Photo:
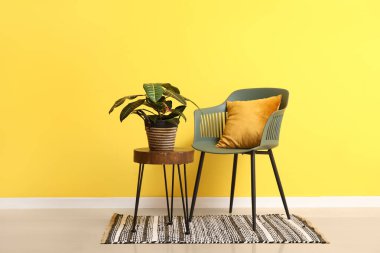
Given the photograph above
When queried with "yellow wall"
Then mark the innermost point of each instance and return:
(63, 63)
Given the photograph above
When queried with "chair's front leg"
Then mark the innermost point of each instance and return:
(253, 190)
(234, 168)
(279, 183)
(197, 180)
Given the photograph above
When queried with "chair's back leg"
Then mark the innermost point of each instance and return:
(234, 168)
(279, 182)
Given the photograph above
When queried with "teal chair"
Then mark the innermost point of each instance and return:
(208, 128)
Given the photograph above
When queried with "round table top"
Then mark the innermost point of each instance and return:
(177, 156)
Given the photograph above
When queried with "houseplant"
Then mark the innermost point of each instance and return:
(156, 108)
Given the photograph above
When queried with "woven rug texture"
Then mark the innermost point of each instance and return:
(210, 229)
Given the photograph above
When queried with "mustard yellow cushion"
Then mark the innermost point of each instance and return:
(246, 121)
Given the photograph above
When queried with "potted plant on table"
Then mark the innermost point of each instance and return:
(155, 107)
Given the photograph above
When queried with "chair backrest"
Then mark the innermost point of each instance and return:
(212, 120)
(257, 93)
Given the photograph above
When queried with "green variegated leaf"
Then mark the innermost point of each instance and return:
(163, 104)
(173, 121)
(147, 111)
(122, 100)
(147, 118)
(162, 107)
(162, 99)
(153, 119)
(176, 96)
(187, 99)
(180, 108)
(157, 106)
(168, 86)
(141, 114)
(130, 108)
(169, 104)
(154, 91)
(178, 111)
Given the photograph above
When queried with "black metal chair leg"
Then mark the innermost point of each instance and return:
(139, 183)
(279, 182)
(185, 215)
(167, 196)
(197, 180)
(234, 168)
(253, 190)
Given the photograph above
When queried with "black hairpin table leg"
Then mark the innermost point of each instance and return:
(139, 183)
(185, 204)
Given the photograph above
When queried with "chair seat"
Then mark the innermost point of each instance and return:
(209, 146)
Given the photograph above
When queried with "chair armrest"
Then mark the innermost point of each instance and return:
(209, 122)
(271, 133)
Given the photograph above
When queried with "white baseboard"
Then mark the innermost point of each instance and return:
(202, 202)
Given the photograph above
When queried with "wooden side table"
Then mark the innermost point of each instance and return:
(177, 157)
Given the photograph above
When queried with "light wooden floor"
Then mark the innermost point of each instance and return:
(80, 230)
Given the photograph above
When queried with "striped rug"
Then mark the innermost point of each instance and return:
(270, 228)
